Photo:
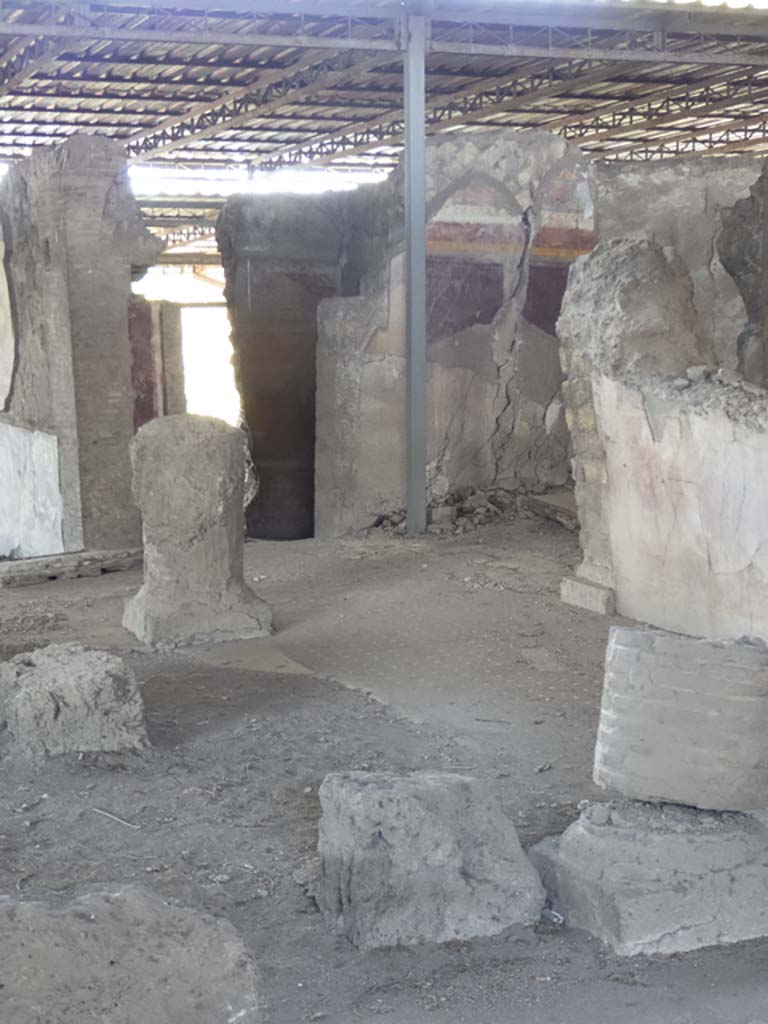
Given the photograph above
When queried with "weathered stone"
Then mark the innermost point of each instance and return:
(660, 879)
(31, 508)
(740, 247)
(591, 596)
(427, 857)
(557, 506)
(27, 572)
(7, 333)
(684, 720)
(681, 203)
(628, 311)
(629, 306)
(731, 378)
(67, 699)
(74, 239)
(442, 515)
(686, 487)
(123, 956)
(188, 478)
(695, 374)
(495, 416)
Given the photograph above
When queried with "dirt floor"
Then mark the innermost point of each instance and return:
(389, 653)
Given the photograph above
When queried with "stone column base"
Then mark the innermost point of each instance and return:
(237, 614)
(659, 879)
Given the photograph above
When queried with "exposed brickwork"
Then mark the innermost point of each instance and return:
(73, 233)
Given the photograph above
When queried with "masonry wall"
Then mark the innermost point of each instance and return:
(157, 365)
(669, 449)
(508, 214)
(682, 203)
(498, 202)
(166, 317)
(282, 255)
(685, 503)
(42, 395)
(73, 235)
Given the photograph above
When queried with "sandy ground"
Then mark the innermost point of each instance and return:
(389, 653)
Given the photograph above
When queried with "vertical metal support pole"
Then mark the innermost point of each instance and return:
(416, 275)
(762, 363)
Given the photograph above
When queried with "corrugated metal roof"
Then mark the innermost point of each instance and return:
(237, 87)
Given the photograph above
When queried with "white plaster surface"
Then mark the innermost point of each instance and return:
(31, 506)
(7, 341)
(686, 502)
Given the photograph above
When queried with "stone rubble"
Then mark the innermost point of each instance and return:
(65, 699)
(427, 857)
(460, 511)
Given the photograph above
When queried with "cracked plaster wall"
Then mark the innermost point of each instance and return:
(495, 417)
(629, 307)
(686, 498)
(669, 465)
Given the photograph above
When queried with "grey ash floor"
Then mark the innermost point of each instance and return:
(389, 654)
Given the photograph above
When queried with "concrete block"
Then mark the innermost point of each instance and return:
(591, 596)
(126, 957)
(66, 699)
(652, 879)
(427, 857)
(684, 720)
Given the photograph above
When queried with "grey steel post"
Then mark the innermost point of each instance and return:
(416, 275)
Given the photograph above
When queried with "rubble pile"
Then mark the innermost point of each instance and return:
(461, 511)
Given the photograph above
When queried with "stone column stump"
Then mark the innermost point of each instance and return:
(188, 476)
(684, 720)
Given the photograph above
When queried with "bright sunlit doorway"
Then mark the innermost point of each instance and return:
(209, 378)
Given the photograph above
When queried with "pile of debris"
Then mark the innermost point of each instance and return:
(466, 508)
(462, 510)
